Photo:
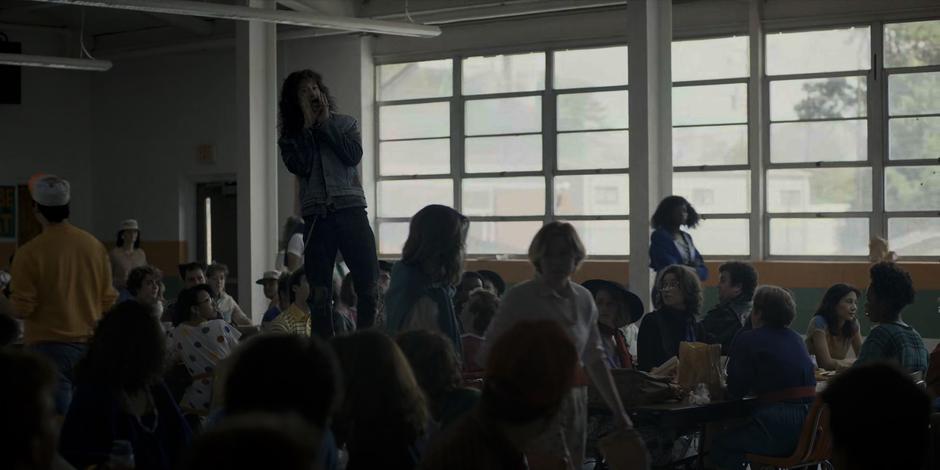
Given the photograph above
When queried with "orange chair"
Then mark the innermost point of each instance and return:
(814, 447)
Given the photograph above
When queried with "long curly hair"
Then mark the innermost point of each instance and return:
(662, 218)
(434, 363)
(126, 353)
(290, 114)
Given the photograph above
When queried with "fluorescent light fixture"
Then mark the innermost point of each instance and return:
(244, 13)
(24, 60)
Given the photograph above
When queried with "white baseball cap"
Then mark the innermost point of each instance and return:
(49, 190)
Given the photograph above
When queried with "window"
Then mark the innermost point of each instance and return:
(710, 142)
(819, 179)
(911, 180)
(492, 166)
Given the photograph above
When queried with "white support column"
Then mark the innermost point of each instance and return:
(256, 98)
(757, 114)
(650, 41)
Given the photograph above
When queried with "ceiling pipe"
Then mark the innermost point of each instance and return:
(244, 13)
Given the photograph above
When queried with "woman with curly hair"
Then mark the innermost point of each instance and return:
(421, 293)
(677, 297)
(834, 328)
(322, 148)
(669, 244)
(384, 413)
(891, 289)
(119, 395)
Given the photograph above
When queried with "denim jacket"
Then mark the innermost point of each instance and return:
(337, 144)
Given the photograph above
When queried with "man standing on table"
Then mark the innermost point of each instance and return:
(323, 148)
(61, 284)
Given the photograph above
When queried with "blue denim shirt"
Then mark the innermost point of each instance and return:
(325, 159)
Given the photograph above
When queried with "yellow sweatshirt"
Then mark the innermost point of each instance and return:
(61, 285)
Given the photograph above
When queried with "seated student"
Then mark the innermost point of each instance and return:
(891, 290)
(529, 374)
(865, 437)
(224, 303)
(382, 432)
(834, 328)
(677, 297)
(469, 282)
(434, 363)
(385, 280)
(493, 282)
(256, 441)
(283, 300)
(476, 316)
(119, 395)
(268, 282)
(143, 285)
(28, 427)
(264, 378)
(617, 308)
(344, 310)
(771, 363)
(736, 284)
(192, 274)
(200, 340)
(296, 319)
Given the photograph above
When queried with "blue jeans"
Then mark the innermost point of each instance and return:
(65, 356)
(346, 231)
(773, 430)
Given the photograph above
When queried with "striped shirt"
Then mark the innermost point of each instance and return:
(293, 321)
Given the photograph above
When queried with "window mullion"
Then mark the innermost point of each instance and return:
(457, 161)
(549, 138)
(877, 132)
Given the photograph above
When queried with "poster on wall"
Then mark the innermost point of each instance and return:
(7, 212)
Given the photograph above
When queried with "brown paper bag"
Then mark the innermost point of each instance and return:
(701, 363)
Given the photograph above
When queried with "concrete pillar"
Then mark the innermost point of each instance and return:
(649, 24)
(256, 98)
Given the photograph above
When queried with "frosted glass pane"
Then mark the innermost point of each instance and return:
(819, 98)
(604, 237)
(592, 195)
(501, 238)
(914, 236)
(414, 157)
(912, 188)
(577, 68)
(819, 141)
(715, 192)
(597, 110)
(720, 145)
(504, 73)
(709, 104)
(594, 150)
(404, 198)
(819, 190)
(392, 236)
(508, 196)
(504, 115)
(819, 237)
(914, 138)
(833, 50)
(496, 154)
(716, 237)
(912, 44)
(707, 59)
(427, 79)
(410, 121)
(914, 93)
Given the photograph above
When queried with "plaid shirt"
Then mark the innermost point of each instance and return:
(293, 321)
(897, 342)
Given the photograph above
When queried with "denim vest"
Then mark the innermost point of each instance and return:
(335, 147)
(408, 285)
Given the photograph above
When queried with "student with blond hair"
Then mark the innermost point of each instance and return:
(557, 252)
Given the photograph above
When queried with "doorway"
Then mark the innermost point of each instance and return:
(217, 228)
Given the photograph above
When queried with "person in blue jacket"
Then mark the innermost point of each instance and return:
(669, 244)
